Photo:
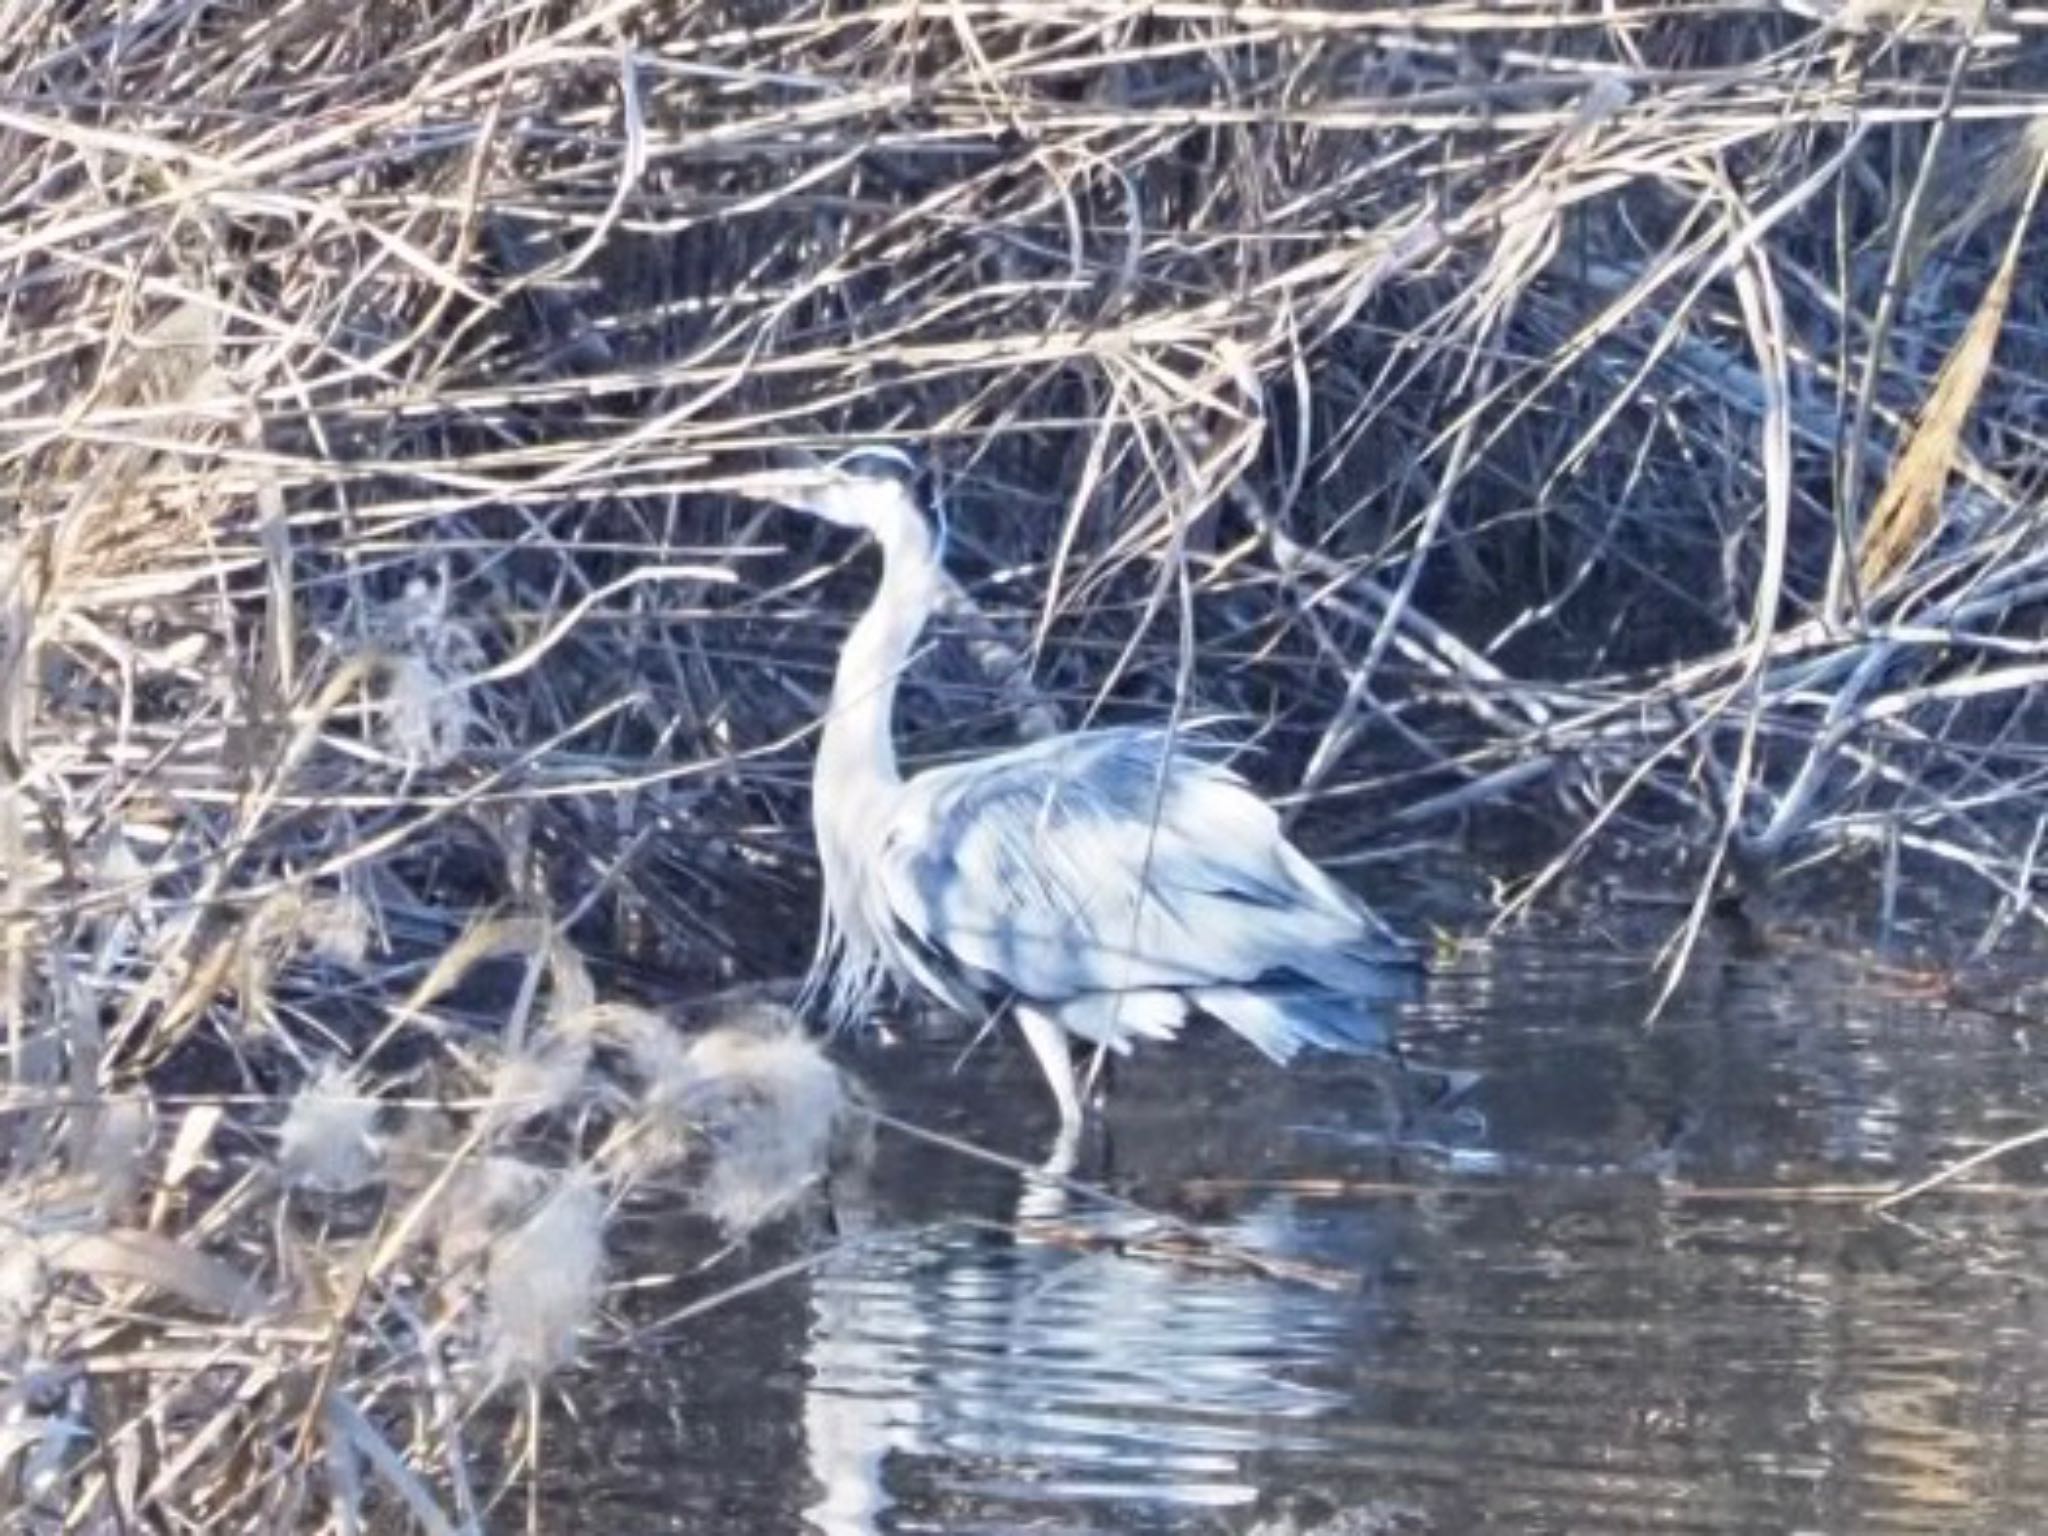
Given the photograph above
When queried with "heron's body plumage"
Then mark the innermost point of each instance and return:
(1115, 878)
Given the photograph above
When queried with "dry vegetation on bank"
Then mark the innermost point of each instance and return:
(1629, 417)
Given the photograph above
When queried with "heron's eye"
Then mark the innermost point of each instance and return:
(912, 472)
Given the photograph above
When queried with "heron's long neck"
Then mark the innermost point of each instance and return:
(857, 752)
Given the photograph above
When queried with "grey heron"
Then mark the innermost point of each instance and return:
(1104, 884)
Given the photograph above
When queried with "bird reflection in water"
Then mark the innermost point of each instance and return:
(1051, 1360)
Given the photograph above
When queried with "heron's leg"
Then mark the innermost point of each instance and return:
(1097, 1060)
(1048, 1043)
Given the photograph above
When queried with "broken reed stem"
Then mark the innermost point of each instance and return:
(1877, 1198)
(1947, 1176)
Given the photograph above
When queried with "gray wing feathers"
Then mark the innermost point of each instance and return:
(1104, 874)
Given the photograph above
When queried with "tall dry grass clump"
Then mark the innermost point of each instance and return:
(286, 1307)
(1627, 417)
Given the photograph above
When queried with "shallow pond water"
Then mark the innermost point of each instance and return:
(1638, 1297)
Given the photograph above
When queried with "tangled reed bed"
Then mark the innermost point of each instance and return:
(1627, 415)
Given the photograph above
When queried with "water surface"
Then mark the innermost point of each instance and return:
(1637, 1298)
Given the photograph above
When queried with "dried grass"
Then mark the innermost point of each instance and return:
(1490, 405)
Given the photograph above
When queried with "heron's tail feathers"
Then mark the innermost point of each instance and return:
(1280, 1019)
(1116, 1019)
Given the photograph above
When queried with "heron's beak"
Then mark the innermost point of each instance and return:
(840, 493)
(801, 490)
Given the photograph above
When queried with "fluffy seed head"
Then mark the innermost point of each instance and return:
(543, 1279)
(329, 1138)
(768, 1108)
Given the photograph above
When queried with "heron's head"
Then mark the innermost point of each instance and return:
(874, 490)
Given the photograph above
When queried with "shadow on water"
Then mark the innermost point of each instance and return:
(1636, 1300)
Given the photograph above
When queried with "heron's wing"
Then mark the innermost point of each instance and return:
(1108, 861)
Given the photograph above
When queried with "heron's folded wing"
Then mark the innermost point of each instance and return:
(1104, 861)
